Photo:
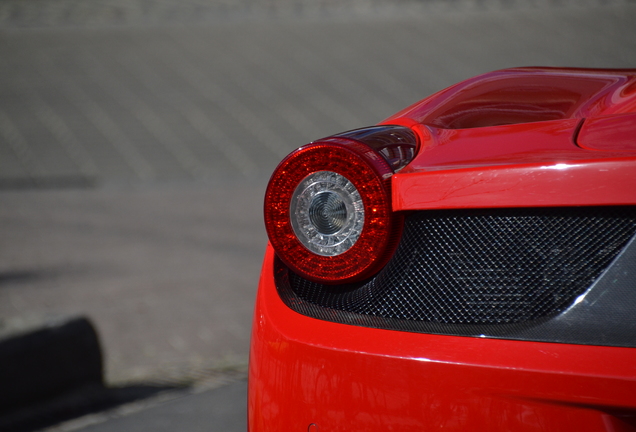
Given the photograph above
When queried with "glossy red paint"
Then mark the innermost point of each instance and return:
(525, 165)
(344, 378)
(474, 153)
(523, 95)
(609, 133)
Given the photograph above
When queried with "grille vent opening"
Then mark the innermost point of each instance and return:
(490, 266)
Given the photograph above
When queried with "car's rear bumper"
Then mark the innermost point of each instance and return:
(305, 371)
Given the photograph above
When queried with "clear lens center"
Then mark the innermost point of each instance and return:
(327, 213)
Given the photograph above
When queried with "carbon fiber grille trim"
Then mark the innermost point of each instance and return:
(476, 267)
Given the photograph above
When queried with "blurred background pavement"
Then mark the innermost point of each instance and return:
(137, 136)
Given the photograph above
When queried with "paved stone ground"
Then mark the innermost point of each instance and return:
(136, 139)
(200, 409)
(166, 273)
(56, 13)
(84, 105)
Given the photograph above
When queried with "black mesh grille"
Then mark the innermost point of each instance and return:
(485, 266)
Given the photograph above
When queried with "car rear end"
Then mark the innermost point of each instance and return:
(470, 264)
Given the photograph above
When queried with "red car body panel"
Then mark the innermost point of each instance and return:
(524, 95)
(309, 374)
(609, 133)
(518, 165)
(306, 371)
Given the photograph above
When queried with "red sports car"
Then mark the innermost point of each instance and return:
(467, 265)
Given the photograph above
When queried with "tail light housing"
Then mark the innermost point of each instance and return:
(328, 204)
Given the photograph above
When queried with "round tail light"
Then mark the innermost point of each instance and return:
(328, 211)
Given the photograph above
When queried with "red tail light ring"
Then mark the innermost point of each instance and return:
(328, 211)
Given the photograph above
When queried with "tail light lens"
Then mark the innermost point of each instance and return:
(328, 204)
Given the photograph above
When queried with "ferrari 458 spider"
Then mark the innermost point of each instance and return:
(469, 264)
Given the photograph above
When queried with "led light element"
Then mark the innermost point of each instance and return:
(327, 213)
(328, 206)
